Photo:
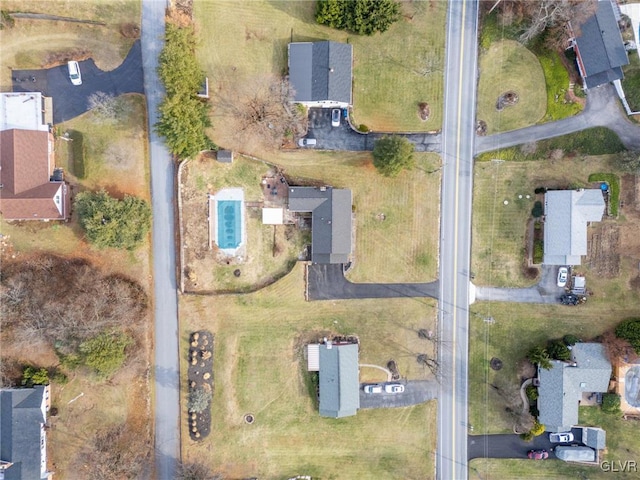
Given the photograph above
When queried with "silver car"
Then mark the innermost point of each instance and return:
(564, 437)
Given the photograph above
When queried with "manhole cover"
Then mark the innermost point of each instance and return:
(236, 272)
(249, 418)
(496, 363)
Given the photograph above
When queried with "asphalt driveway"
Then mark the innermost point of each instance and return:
(545, 291)
(512, 446)
(415, 393)
(69, 100)
(346, 138)
(327, 282)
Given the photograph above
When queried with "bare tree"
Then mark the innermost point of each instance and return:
(553, 16)
(195, 471)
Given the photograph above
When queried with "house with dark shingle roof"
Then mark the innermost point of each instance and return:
(561, 387)
(567, 213)
(321, 73)
(339, 380)
(331, 220)
(599, 48)
(23, 441)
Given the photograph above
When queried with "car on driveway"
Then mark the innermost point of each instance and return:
(394, 388)
(74, 72)
(307, 142)
(563, 274)
(565, 437)
(335, 117)
(373, 389)
(569, 299)
(538, 454)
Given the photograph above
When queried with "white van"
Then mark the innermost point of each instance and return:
(307, 142)
(74, 72)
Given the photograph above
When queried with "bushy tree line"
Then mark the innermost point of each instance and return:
(364, 17)
(629, 330)
(109, 222)
(392, 154)
(183, 115)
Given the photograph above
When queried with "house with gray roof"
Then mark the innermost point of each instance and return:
(599, 48)
(339, 380)
(562, 386)
(23, 441)
(321, 73)
(331, 220)
(567, 215)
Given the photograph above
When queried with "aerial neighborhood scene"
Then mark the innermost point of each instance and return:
(319, 239)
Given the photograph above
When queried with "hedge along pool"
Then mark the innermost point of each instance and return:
(229, 228)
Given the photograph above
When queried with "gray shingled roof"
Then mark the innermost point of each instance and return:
(20, 421)
(601, 47)
(575, 454)
(339, 380)
(330, 221)
(562, 386)
(321, 71)
(594, 437)
(567, 213)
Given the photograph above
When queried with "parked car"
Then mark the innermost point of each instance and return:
(394, 388)
(563, 274)
(538, 454)
(307, 142)
(373, 389)
(569, 299)
(335, 117)
(565, 437)
(74, 72)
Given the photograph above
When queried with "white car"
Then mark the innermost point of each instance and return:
(565, 437)
(563, 274)
(335, 117)
(373, 389)
(74, 72)
(307, 142)
(394, 388)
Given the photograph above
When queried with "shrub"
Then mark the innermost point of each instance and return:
(527, 437)
(539, 356)
(538, 251)
(570, 340)
(538, 209)
(392, 154)
(611, 404)
(105, 353)
(199, 399)
(614, 186)
(540, 190)
(364, 17)
(630, 331)
(558, 350)
(363, 128)
(538, 429)
(34, 376)
(532, 393)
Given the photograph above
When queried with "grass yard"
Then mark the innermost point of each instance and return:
(29, 42)
(404, 246)
(507, 66)
(393, 72)
(270, 249)
(499, 229)
(557, 83)
(259, 368)
(631, 82)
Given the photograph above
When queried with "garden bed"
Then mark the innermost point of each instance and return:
(200, 377)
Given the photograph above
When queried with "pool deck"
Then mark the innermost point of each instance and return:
(621, 374)
(226, 194)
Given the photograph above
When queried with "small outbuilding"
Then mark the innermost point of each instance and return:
(224, 156)
(576, 454)
(594, 437)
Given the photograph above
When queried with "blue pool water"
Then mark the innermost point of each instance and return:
(229, 224)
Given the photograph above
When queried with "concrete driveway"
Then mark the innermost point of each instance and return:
(415, 393)
(512, 446)
(545, 291)
(346, 138)
(69, 100)
(327, 282)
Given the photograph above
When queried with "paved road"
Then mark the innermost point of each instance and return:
(69, 100)
(415, 393)
(347, 138)
(603, 109)
(327, 282)
(512, 446)
(455, 231)
(545, 291)
(167, 368)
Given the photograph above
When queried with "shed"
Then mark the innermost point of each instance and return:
(272, 216)
(576, 454)
(225, 156)
(579, 285)
(594, 437)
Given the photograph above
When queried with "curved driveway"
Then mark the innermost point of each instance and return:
(603, 109)
(69, 100)
(167, 368)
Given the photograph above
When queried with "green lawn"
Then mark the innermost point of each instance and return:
(259, 367)
(631, 82)
(557, 84)
(393, 72)
(507, 66)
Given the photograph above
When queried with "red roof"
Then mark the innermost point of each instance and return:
(26, 166)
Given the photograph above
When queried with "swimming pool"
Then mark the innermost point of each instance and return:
(229, 217)
(632, 386)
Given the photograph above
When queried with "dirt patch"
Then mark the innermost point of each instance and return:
(424, 111)
(507, 99)
(53, 59)
(481, 128)
(130, 30)
(604, 248)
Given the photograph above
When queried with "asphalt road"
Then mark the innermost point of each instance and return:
(167, 368)
(455, 243)
(327, 282)
(69, 100)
